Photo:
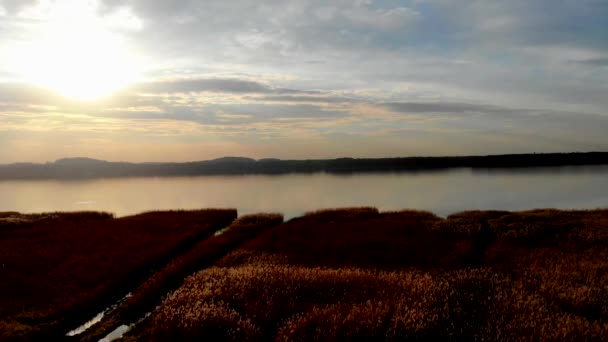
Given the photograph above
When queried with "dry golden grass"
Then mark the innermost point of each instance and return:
(170, 277)
(340, 274)
(265, 292)
(267, 299)
(203, 254)
(541, 275)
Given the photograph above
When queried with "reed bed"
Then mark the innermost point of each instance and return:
(58, 268)
(533, 275)
(267, 299)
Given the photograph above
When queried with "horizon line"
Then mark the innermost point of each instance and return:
(303, 159)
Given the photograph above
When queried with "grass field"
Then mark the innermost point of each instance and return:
(60, 268)
(206, 252)
(340, 274)
(328, 275)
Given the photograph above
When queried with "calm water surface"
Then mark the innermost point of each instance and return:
(443, 192)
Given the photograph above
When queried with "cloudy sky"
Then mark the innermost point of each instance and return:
(156, 80)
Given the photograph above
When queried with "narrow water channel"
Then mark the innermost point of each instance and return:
(124, 328)
(97, 318)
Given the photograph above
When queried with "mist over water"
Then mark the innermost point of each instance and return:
(442, 192)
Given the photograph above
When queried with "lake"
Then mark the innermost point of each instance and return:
(442, 192)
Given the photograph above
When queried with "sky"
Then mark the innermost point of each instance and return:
(156, 80)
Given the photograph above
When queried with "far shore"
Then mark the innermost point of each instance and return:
(87, 168)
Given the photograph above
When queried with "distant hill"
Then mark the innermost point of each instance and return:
(82, 168)
(233, 160)
(79, 161)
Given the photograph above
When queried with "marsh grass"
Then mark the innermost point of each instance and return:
(203, 254)
(338, 214)
(269, 300)
(63, 267)
(171, 276)
(14, 219)
(365, 238)
(539, 275)
(339, 274)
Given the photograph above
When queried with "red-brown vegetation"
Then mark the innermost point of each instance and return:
(59, 269)
(496, 276)
(170, 277)
(329, 275)
(365, 238)
(203, 254)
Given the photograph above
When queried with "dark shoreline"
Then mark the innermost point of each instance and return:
(86, 168)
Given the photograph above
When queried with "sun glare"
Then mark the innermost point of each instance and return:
(75, 54)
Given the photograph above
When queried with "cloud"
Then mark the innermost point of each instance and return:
(471, 75)
(15, 6)
(23, 93)
(304, 99)
(22, 97)
(441, 107)
(592, 62)
(383, 19)
(281, 111)
(542, 22)
(211, 85)
(219, 85)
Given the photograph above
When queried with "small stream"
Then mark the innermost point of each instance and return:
(116, 334)
(97, 317)
(88, 324)
(123, 329)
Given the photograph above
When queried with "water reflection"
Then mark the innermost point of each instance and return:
(585, 169)
(441, 192)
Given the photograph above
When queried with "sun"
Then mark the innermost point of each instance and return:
(80, 65)
(77, 55)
